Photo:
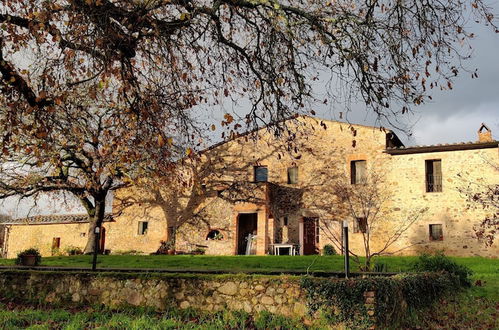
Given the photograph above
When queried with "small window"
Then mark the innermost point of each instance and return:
(436, 232)
(143, 225)
(214, 234)
(261, 173)
(433, 175)
(358, 171)
(293, 175)
(56, 243)
(360, 225)
(285, 221)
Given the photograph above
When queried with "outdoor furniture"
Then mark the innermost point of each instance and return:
(290, 246)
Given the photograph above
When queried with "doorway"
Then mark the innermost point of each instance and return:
(246, 225)
(310, 235)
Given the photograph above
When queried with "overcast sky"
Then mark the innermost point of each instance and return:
(452, 116)
(456, 115)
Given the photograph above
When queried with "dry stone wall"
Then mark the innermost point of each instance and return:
(276, 294)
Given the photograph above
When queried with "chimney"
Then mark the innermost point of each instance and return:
(484, 134)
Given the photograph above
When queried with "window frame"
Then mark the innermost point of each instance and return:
(431, 237)
(357, 227)
(255, 170)
(141, 231)
(353, 171)
(435, 185)
(290, 176)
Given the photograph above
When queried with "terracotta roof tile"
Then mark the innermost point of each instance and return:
(51, 219)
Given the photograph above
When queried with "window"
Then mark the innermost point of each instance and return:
(436, 233)
(433, 175)
(293, 175)
(285, 221)
(358, 171)
(360, 225)
(261, 173)
(56, 243)
(143, 225)
(214, 234)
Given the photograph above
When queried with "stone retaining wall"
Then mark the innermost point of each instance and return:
(251, 293)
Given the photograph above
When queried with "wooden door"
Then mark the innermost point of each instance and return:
(310, 236)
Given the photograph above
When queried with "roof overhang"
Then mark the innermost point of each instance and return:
(442, 148)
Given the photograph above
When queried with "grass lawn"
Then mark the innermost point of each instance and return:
(32, 317)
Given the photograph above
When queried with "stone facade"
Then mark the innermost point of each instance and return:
(214, 202)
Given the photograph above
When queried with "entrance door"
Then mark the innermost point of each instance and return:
(102, 242)
(247, 224)
(310, 235)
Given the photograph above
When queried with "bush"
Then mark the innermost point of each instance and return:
(439, 262)
(344, 300)
(73, 251)
(380, 267)
(29, 252)
(329, 250)
(198, 251)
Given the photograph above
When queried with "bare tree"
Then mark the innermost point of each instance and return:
(88, 152)
(148, 57)
(364, 204)
(485, 196)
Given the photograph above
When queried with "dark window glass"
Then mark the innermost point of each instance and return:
(293, 175)
(261, 173)
(358, 171)
(143, 225)
(433, 175)
(285, 221)
(436, 233)
(360, 225)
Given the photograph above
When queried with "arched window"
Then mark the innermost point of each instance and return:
(214, 234)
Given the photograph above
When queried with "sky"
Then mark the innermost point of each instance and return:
(456, 115)
(452, 116)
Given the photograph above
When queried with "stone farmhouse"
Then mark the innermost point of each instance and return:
(262, 193)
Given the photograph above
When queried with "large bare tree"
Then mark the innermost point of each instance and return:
(146, 65)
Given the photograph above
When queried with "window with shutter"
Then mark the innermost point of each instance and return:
(143, 225)
(433, 175)
(358, 171)
(293, 175)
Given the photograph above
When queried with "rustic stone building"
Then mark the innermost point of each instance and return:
(291, 191)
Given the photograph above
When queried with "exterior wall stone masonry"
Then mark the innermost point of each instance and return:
(323, 151)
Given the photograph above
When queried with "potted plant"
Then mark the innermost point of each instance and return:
(29, 257)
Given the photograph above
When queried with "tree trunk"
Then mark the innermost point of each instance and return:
(95, 220)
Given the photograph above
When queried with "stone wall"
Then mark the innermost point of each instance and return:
(368, 300)
(276, 294)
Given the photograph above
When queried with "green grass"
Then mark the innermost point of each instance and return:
(485, 270)
(27, 317)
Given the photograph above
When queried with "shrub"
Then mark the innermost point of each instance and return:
(73, 251)
(344, 300)
(380, 267)
(29, 252)
(329, 250)
(198, 251)
(439, 262)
